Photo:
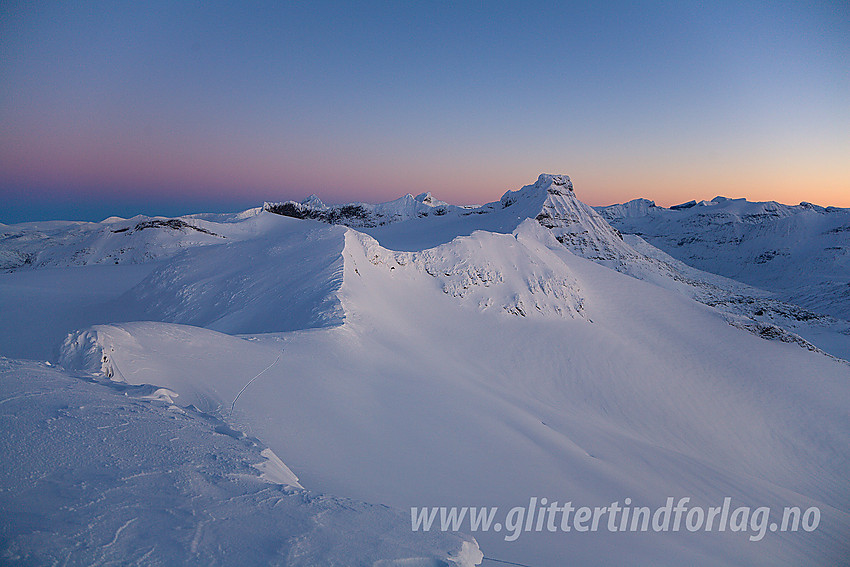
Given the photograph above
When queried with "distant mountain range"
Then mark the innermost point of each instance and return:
(800, 252)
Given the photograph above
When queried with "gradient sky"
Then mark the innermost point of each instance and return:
(175, 107)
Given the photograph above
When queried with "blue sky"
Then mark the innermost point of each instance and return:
(124, 107)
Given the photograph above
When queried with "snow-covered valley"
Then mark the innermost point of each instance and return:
(401, 355)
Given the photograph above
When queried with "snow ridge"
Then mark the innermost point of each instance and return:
(213, 288)
(497, 353)
(516, 274)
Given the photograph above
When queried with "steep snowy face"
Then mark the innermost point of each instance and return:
(287, 274)
(551, 203)
(428, 222)
(573, 223)
(285, 277)
(408, 223)
(802, 252)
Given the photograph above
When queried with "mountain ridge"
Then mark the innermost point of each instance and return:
(412, 225)
(800, 252)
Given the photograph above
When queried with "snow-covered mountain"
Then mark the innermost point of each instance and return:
(417, 354)
(113, 241)
(552, 202)
(801, 252)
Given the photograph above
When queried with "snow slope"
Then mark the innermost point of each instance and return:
(293, 271)
(802, 252)
(195, 282)
(104, 473)
(420, 398)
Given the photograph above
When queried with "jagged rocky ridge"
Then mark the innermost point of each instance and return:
(362, 215)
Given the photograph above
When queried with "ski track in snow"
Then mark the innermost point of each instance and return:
(245, 387)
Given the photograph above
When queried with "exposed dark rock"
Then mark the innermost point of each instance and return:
(173, 224)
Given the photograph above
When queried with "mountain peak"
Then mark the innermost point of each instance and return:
(546, 184)
(314, 201)
(554, 183)
(430, 200)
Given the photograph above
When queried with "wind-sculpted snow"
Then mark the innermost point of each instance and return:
(517, 274)
(802, 252)
(417, 400)
(294, 275)
(106, 473)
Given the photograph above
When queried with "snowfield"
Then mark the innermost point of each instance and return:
(403, 355)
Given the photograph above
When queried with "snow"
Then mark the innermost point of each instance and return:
(293, 273)
(40, 307)
(800, 252)
(478, 357)
(96, 473)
